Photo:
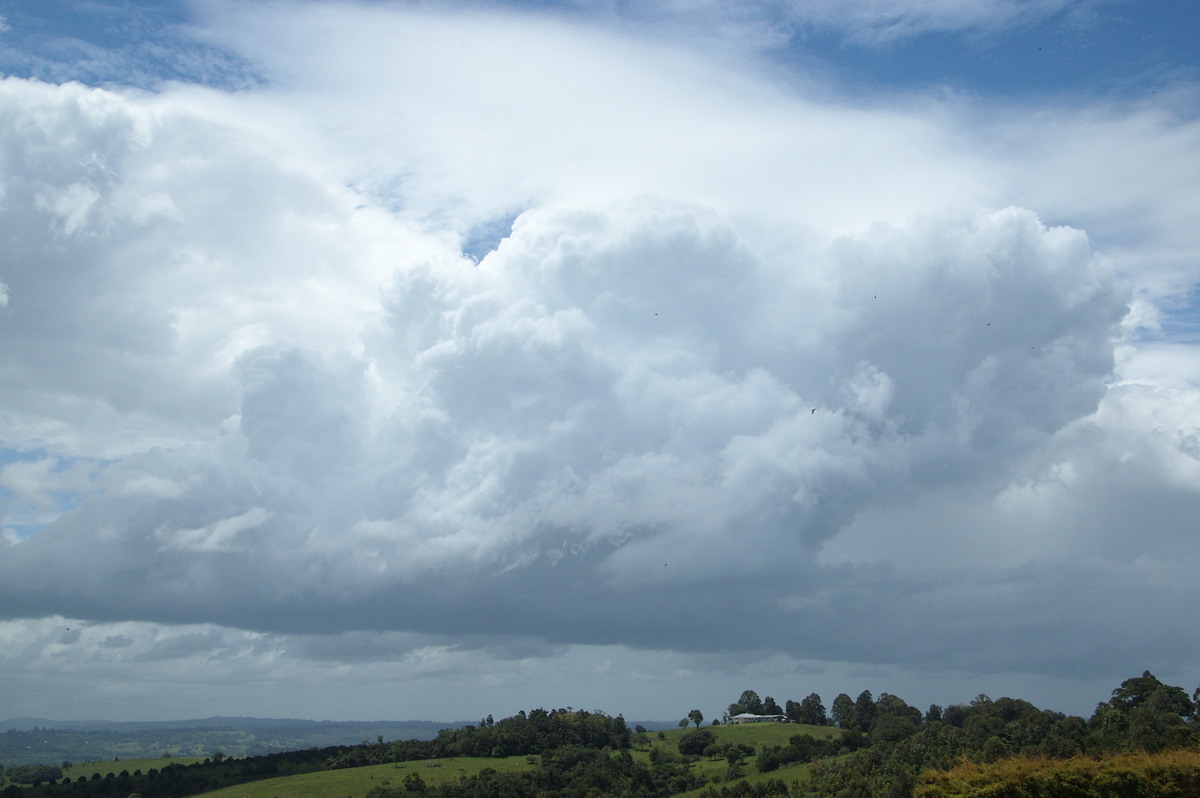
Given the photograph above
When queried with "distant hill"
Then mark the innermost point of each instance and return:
(34, 741)
(44, 741)
(216, 722)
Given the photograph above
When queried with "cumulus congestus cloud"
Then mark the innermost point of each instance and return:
(623, 398)
(481, 357)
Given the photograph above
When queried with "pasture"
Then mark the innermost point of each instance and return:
(356, 782)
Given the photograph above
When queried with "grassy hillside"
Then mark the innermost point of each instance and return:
(757, 735)
(786, 774)
(355, 782)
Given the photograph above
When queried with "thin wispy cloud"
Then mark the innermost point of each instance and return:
(878, 22)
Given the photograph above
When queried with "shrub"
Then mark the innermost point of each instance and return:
(1170, 773)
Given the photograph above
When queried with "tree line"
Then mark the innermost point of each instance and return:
(882, 748)
(522, 734)
(1142, 715)
(886, 745)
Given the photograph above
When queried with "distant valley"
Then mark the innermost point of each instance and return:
(29, 741)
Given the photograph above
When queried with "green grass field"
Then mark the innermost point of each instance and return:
(355, 782)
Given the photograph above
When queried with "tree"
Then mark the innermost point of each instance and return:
(696, 741)
(737, 753)
(812, 711)
(843, 712)
(696, 717)
(891, 728)
(769, 707)
(955, 715)
(769, 760)
(750, 702)
(993, 749)
(864, 710)
(888, 704)
(1143, 714)
(683, 723)
(1136, 691)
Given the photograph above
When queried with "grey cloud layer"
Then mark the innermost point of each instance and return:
(306, 417)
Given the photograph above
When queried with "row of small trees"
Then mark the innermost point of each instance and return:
(1143, 713)
(28, 774)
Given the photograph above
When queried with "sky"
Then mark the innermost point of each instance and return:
(395, 360)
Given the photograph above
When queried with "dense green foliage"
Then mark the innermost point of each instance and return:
(695, 742)
(809, 710)
(1143, 714)
(746, 789)
(801, 748)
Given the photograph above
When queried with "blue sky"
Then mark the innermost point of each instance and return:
(1077, 50)
(431, 360)
(1077, 54)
